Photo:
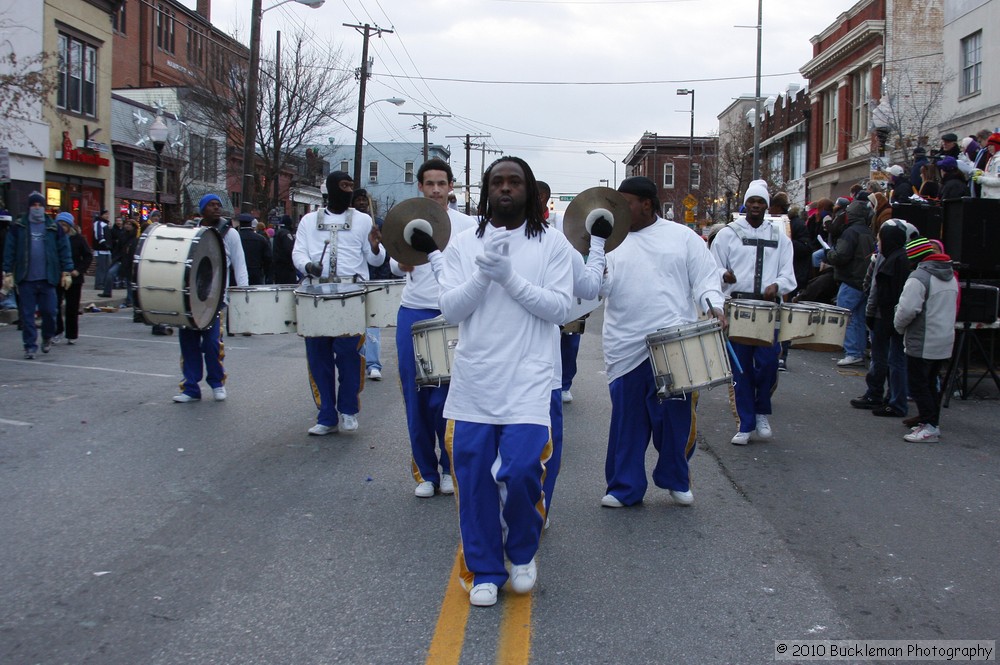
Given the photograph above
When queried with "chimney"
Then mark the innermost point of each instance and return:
(205, 9)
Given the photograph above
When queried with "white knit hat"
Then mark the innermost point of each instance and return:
(757, 188)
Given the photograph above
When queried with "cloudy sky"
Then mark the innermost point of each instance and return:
(550, 79)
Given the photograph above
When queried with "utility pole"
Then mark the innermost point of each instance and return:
(363, 74)
(425, 126)
(250, 112)
(756, 101)
(468, 149)
(275, 189)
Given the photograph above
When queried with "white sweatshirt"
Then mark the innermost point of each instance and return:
(731, 254)
(354, 253)
(659, 277)
(508, 335)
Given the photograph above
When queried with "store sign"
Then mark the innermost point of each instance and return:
(71, 154)
(143, 177)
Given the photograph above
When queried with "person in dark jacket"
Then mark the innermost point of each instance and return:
(284, 242)
(888, 360)
(902, 188)
(69, 299)
(373, 336)
(256, 249)
(36, 258)
(122, 257)
(953, 184)
(919, 160)
(849, 259)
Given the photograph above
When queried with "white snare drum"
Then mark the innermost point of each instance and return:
(796, 320)
(434, 342)
(689, 357)
(330, 310)
(179, 275)
(262, 310)
(382, 302)
(831, 328)
(752, 322)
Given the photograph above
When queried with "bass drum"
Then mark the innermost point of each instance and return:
(179, 274)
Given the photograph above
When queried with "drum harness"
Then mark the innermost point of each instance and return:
(334, 228)
(758, 269)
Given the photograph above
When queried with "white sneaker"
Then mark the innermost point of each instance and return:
(349, 423)
(322, 430)
(447, 484)
(846, 361)
(483, 595)
(567, 397)
(764, 427)
(374, 374)
(184, 398)
(741, 439)
(611, 501)
(682, 498)
(522, 578)
(924, 434)
(424, 490)
(219, 393)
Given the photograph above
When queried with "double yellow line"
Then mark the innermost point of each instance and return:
(514, 642)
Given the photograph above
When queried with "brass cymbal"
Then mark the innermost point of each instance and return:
(588, 201)
(413, 211)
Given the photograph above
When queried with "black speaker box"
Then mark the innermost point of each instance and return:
(927, 218)
(980, 304)
(972, 232)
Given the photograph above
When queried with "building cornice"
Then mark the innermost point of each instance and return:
(857, 36)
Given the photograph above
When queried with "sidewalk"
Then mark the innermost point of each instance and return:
(89, 296)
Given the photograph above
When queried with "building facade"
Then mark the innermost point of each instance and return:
(971, 40)
(684, 170)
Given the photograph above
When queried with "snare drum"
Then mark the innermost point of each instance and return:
(382, 302)
(434, 342)
(796, 320)
(330, 310)
(262, 310)
(179, 275)
(689, 357)
(831, 328)
(752, 322)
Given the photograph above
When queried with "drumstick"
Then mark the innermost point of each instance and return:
(729, 346)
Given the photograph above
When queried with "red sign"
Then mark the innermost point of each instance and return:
(70, 154)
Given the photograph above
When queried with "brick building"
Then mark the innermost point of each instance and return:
(683, 169)
(877, 66)
(784, 142)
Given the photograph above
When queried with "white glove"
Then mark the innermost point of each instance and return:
(66, 281)
(8, 282)
(498, 242)
(495, 266)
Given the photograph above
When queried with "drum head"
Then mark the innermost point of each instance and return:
(204, 278)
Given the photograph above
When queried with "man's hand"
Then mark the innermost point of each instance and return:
(422, 241)
(495, 266)
(75, 273)
(601, 228)
(314, 269)
(66, 281)
(721, 316)
(729, 277)
(771, 292)
(374, 238)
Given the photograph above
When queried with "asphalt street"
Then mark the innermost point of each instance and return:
(137, 530)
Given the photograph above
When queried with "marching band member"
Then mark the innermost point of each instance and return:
(507, 284)
(654, 280)
(207, 344)
(757, 258)
(421, 293)
(335, 244)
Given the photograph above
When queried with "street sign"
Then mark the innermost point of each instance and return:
(4, 166)
(566, 198)
(689, 201)
(689, 216)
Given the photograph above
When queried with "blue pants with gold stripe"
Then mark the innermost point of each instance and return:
(756, 383)
(424, 419)
(334, 360)
(636, 414)
(198, 344)
(555, 460)
(499, 471)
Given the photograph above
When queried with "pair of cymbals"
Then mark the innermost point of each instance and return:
(589, 205)
(403, 218)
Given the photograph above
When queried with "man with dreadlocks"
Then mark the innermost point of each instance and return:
(507, 284)
(659, 277)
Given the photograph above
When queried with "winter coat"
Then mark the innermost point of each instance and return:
(257, 251)
(284, 270)
(902, 189)
(383, 271)
(850, 257)
(81, 253)
(990, 180)
(953, 186)
(17, 250)
(927, 309)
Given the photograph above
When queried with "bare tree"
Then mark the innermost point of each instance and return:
(311, 89)
(908, 110)
(736, 158)
(27, 83)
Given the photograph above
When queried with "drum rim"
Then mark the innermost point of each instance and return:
(687, 328)
(708, 384)
(433, 323)
(763, 304)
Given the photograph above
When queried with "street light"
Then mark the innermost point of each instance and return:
(598, 152)
(359, 132)
(158, 133)
(685, 91)
(253, 74)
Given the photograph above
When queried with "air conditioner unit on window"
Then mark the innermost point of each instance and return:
(372, 178)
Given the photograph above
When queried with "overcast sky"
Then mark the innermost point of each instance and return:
(629, 55)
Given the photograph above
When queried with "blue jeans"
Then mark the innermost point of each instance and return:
(102, 262)
(888, 361)
(37, 293)
(373, 348)
(851, 298)
(112, 277)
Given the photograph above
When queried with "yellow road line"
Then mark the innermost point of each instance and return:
(449, 634)
(514, 646)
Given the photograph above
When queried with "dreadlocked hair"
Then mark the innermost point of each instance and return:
(535, 223)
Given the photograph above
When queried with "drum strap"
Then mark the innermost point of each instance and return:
(760, 244)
